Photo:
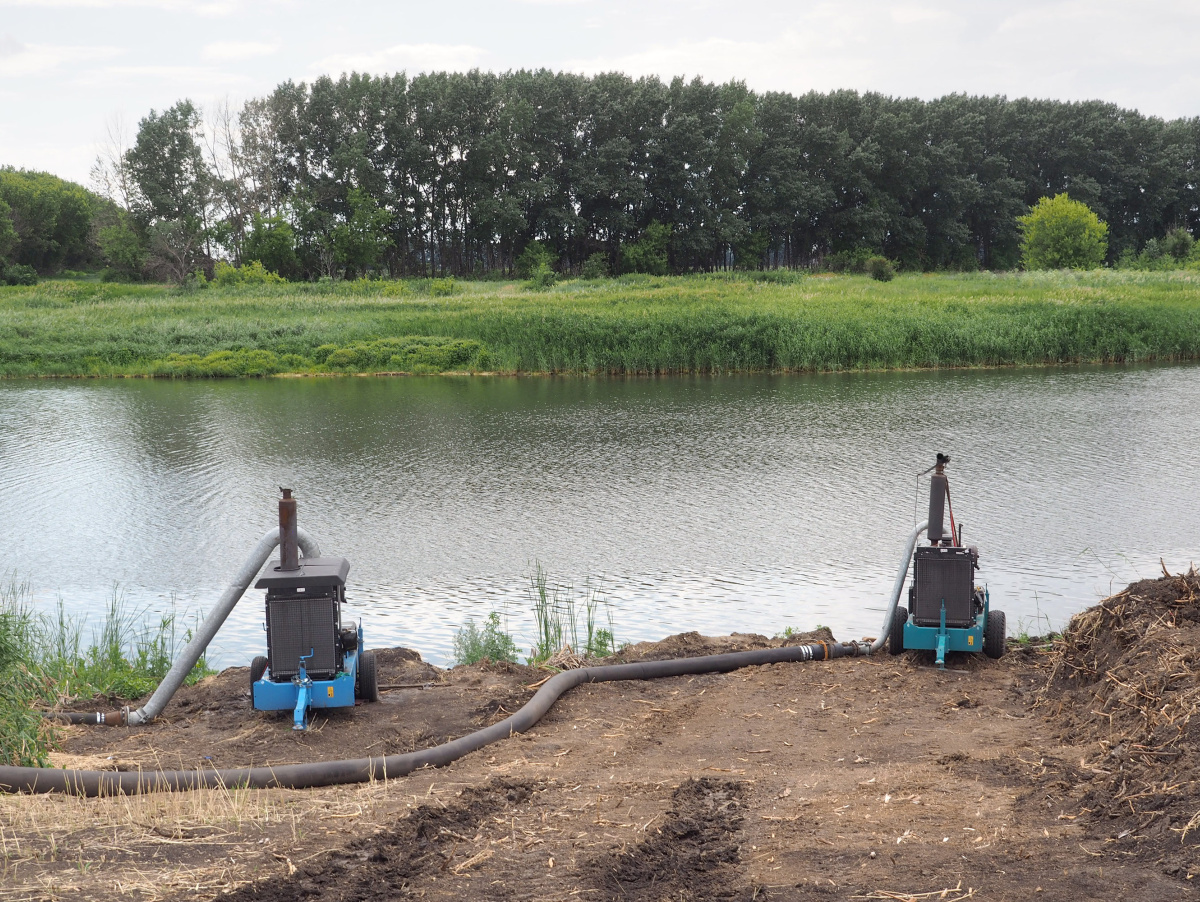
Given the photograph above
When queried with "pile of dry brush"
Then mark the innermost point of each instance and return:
(1124, 682)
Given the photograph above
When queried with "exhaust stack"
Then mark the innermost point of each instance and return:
(289, 550)
(938, 485)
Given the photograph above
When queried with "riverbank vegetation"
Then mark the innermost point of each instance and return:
(752, 322)
(569, 624)
(46, 662)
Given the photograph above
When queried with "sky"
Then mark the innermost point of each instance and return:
(72, 69)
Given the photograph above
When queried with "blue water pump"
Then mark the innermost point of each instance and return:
(313, 660)
(946, 610)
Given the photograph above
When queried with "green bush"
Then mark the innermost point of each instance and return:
(252, 273)
(19, 274)
(542, 278)
(272, 242)
(1178, 244)
(1060, 233)
(649, 253)
(491, 643)
(122, 249)
(880, 269)
(595, 266)
(853, 262)
(220, 364)
(534, 256)
(388, 288)
(443, 288)
(412, 353)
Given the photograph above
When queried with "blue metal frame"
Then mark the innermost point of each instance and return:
(301, 694)
(942, 639)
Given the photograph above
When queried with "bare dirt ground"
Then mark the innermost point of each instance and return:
(1066, 770)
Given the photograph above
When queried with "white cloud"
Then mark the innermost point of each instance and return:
(409, 57)
(190, 78)
(17, 59)
(210, 8)
(907, 15)
(237, 50)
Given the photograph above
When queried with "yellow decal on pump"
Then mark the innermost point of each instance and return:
(330, 689)
(970, 641)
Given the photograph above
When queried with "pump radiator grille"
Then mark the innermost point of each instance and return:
(296, 626)
(943, 574)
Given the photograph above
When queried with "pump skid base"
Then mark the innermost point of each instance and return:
(942, 640)
(335, 693)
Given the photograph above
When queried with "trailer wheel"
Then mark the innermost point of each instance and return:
(368, 677)
(896, 635)
(995, 635)
(257, 668)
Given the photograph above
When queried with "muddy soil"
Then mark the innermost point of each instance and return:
(1065, 770)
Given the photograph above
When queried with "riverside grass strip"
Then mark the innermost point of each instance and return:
(631, 325)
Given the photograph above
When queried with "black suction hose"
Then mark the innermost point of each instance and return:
(361, 770)
(90, 718)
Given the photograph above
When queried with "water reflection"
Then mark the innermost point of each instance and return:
(713, 503)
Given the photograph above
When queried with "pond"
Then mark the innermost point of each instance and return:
(717, 503)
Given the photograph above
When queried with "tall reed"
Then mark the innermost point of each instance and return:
(557, 610)
(44, 663)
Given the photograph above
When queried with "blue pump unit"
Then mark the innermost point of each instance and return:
(947, 611)
(312, 660)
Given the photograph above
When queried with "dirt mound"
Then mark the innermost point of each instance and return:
(1125, 685)
(693, 644)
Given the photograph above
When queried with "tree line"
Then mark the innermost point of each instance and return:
(481, 173)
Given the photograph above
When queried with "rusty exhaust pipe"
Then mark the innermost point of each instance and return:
(289, 551)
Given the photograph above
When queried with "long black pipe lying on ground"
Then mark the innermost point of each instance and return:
(361, 770)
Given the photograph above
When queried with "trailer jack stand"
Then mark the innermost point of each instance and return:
(941, 646)
(303, 696)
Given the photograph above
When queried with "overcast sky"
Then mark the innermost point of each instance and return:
(68, 67)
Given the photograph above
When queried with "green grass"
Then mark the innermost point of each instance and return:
(643, 324)
(44, 662)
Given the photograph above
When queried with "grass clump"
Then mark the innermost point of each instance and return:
(487, 643)
(564, 618)
(45, 663)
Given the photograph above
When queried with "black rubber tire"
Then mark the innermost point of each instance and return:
(896, 635)
(368, 677)
(995, 635)
(257, 668)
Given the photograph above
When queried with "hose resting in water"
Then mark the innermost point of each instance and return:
(361, 770)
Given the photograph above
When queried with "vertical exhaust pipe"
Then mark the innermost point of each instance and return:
(289, 550)
(937, 500)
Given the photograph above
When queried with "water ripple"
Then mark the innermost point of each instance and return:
(748, 503)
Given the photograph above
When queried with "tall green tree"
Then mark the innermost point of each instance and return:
(8, 234)
(167, 165)
(51, 217)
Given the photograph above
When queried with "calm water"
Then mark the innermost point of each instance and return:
(716, 504)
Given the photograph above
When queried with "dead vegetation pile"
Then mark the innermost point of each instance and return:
(1124, 684)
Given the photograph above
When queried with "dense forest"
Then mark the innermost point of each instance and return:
(465, 173)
